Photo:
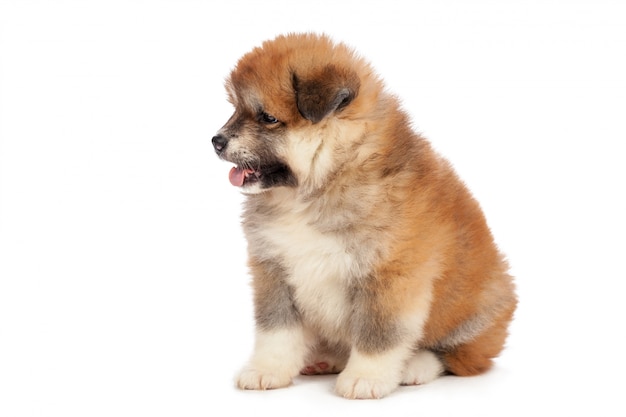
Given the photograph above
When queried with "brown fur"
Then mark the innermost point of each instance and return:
(421, 266)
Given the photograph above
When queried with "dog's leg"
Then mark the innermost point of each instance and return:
(277, 358)
(372, 375)
(386, 325)
(281, 344)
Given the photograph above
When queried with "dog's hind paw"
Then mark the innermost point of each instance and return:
(320, 368)
(422, 368)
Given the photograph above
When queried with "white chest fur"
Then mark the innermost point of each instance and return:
(320, 268)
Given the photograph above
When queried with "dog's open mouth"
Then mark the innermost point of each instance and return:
(268, 176)
(239, 176)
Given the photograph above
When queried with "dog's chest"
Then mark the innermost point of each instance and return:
(320, 269)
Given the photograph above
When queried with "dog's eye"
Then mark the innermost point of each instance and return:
(268, 119)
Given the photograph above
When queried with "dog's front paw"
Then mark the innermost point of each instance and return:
(353, 386)
(255, 379)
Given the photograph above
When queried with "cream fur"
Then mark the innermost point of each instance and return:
(278, 357)
(314, 152)
(423, 367)
(372, 376)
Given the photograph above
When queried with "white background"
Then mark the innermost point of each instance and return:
(123, 286)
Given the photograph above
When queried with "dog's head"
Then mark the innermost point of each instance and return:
(295, 99)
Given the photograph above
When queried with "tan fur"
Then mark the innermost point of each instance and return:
(374, 246)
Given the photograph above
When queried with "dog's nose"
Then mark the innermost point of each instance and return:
(219, 142)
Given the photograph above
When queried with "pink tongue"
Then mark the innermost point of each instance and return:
(238, 175)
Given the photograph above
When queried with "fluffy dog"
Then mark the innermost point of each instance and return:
(369, 257)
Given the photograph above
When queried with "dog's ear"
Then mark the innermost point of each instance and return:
(324, 92)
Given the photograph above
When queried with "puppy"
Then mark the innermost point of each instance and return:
(369, 256)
